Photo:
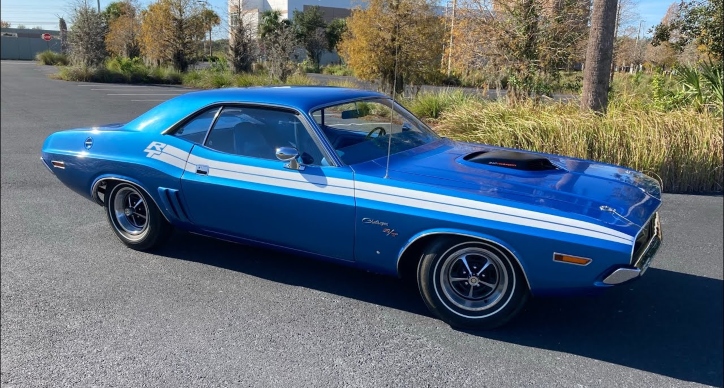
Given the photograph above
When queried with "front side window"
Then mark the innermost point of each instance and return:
(258, 132)
(361, 131)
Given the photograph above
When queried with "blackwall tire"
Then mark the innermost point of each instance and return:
(471, 284)
(135, 219)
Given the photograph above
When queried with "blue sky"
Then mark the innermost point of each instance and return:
(45, 13)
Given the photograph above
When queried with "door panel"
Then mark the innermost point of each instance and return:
(311, 210)
(234, 184)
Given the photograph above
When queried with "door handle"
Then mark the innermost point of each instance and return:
(202, 169)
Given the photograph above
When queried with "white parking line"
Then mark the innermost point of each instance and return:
(114, 85)
(149, 100)
(145, 94)
(119, 87)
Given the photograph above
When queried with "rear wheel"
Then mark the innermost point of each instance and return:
(135, 218)
(471, 284)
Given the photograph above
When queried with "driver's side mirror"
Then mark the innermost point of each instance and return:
(289, 155)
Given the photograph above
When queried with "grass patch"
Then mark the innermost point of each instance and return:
(120, 71)
(429, 105)
(337, 70)
(683, 147)
(211, 79)
(51, 58)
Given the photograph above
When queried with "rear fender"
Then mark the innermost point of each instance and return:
(121, 178)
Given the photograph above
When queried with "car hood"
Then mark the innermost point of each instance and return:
(597, 192)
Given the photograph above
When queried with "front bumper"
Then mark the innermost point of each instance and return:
(642, 263)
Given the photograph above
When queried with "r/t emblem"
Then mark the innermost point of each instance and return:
(389, 232)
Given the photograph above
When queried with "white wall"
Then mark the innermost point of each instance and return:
(287, 7)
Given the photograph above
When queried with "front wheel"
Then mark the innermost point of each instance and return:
(135, 218)
(471, 284)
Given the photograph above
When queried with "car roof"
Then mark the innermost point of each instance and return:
(302, 98)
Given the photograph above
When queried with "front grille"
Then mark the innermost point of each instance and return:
(644, 238)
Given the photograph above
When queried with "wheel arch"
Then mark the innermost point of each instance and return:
(410, 255)
(98, 188)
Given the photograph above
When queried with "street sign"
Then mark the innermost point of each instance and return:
(46, 37)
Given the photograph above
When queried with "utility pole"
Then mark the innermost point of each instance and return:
(99, 6)
(450, 47)
(638, 48)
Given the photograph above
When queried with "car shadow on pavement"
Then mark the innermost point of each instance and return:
(667, 323)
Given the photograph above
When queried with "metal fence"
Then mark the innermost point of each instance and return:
(25, 44)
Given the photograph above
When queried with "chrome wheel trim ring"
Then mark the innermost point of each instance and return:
(486, 279)
(130, 213)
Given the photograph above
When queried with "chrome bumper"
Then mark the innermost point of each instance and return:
(644, 261)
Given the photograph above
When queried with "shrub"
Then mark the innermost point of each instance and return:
(341, 70)
(52, 58)
(120, 70)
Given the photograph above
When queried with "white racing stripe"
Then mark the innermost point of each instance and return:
(291, 176)
(387, 194)
(170, 159)
(468, 204)
(489, 215)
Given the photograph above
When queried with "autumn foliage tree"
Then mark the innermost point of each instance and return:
(398, 42)
(525, 41)
(124, 27)
(170, 30)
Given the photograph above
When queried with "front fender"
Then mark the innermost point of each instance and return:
(464, 233)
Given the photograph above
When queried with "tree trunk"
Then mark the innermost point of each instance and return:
(599, 56)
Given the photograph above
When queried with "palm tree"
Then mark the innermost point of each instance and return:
(210, 19)
(271, 21)
(596, 73)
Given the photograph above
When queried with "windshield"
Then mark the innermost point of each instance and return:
(361, 131)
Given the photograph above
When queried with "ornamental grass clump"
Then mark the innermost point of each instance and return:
(682, 147)
(51, 58)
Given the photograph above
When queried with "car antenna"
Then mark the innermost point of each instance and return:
(392, 104)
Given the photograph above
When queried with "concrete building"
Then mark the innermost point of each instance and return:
(21, 43)
(251, 10)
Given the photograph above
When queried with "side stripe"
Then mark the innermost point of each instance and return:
(292, 176)
(437, 200)
(253, 175)
(488, 215)
(170, 159)
(387, 194)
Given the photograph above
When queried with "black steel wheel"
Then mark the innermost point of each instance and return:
(471, 284)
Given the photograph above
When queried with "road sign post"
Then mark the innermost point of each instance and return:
(47, 37)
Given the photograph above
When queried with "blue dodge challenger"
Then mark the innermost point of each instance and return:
(351, 176)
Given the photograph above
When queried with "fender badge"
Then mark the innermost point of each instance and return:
(389, 232)
(374, 222)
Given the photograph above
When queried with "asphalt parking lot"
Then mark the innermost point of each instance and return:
(79, 309)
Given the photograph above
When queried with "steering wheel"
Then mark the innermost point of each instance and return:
(381, 131)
